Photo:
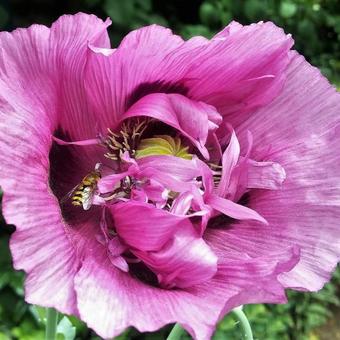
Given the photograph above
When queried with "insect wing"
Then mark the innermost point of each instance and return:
(88, 194)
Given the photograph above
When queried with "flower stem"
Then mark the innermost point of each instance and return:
(176, 333)
(248, 334)
(51, 323)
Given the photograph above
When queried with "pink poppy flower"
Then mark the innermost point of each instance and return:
(166, 180)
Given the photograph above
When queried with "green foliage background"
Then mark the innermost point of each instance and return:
(315, 26)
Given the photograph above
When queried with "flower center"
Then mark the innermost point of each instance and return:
(151, 170)
(124, 147)
(162, 145)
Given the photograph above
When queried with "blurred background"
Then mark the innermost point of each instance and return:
(315, 26)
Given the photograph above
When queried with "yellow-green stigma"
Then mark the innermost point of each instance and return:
(162, 145)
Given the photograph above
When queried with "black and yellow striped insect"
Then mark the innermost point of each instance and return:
(83, 193)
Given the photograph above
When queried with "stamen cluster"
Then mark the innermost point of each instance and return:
(127, 139)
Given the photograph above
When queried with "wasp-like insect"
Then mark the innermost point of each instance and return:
(83, 193)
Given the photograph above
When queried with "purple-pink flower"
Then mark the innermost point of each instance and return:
(166, 180)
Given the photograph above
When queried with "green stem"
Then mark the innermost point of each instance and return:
(51, 324)
(176, 333)
(248, 334)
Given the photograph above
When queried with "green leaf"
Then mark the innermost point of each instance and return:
(209, 14)
(288, 9)
(26, 331)
(255, 10)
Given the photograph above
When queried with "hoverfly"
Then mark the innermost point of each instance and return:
(83, 193)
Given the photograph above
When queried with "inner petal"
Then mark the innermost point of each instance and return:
(192, 119)
(186, 260)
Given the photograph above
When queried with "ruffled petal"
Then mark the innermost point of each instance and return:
(299, 131)
(298, 113)
(29, 205)
(39, 73)
(144, 227)
(116, 305)
(120, 78)
(186, 260)
(108, 302)
(304, 212)
(50, 270)
(257, 58)
(32, 63)
(70, 36)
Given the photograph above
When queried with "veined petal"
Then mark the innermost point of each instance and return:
(70, 36)
(38, 59)
(306, 210)
(50, 270)
(42, 88)
(144, 227)
(197, 309)
(167, 180)
(182, 203)
(186, 260)
(179, 168)
(189, 117)
(300, 106)
(265, 175)
(116, 80)
(32, 63)
(229, 160)
(29, 205)
(234, 210)
(257, 59)
(117, 306)
(155, 192)
(232, 27)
